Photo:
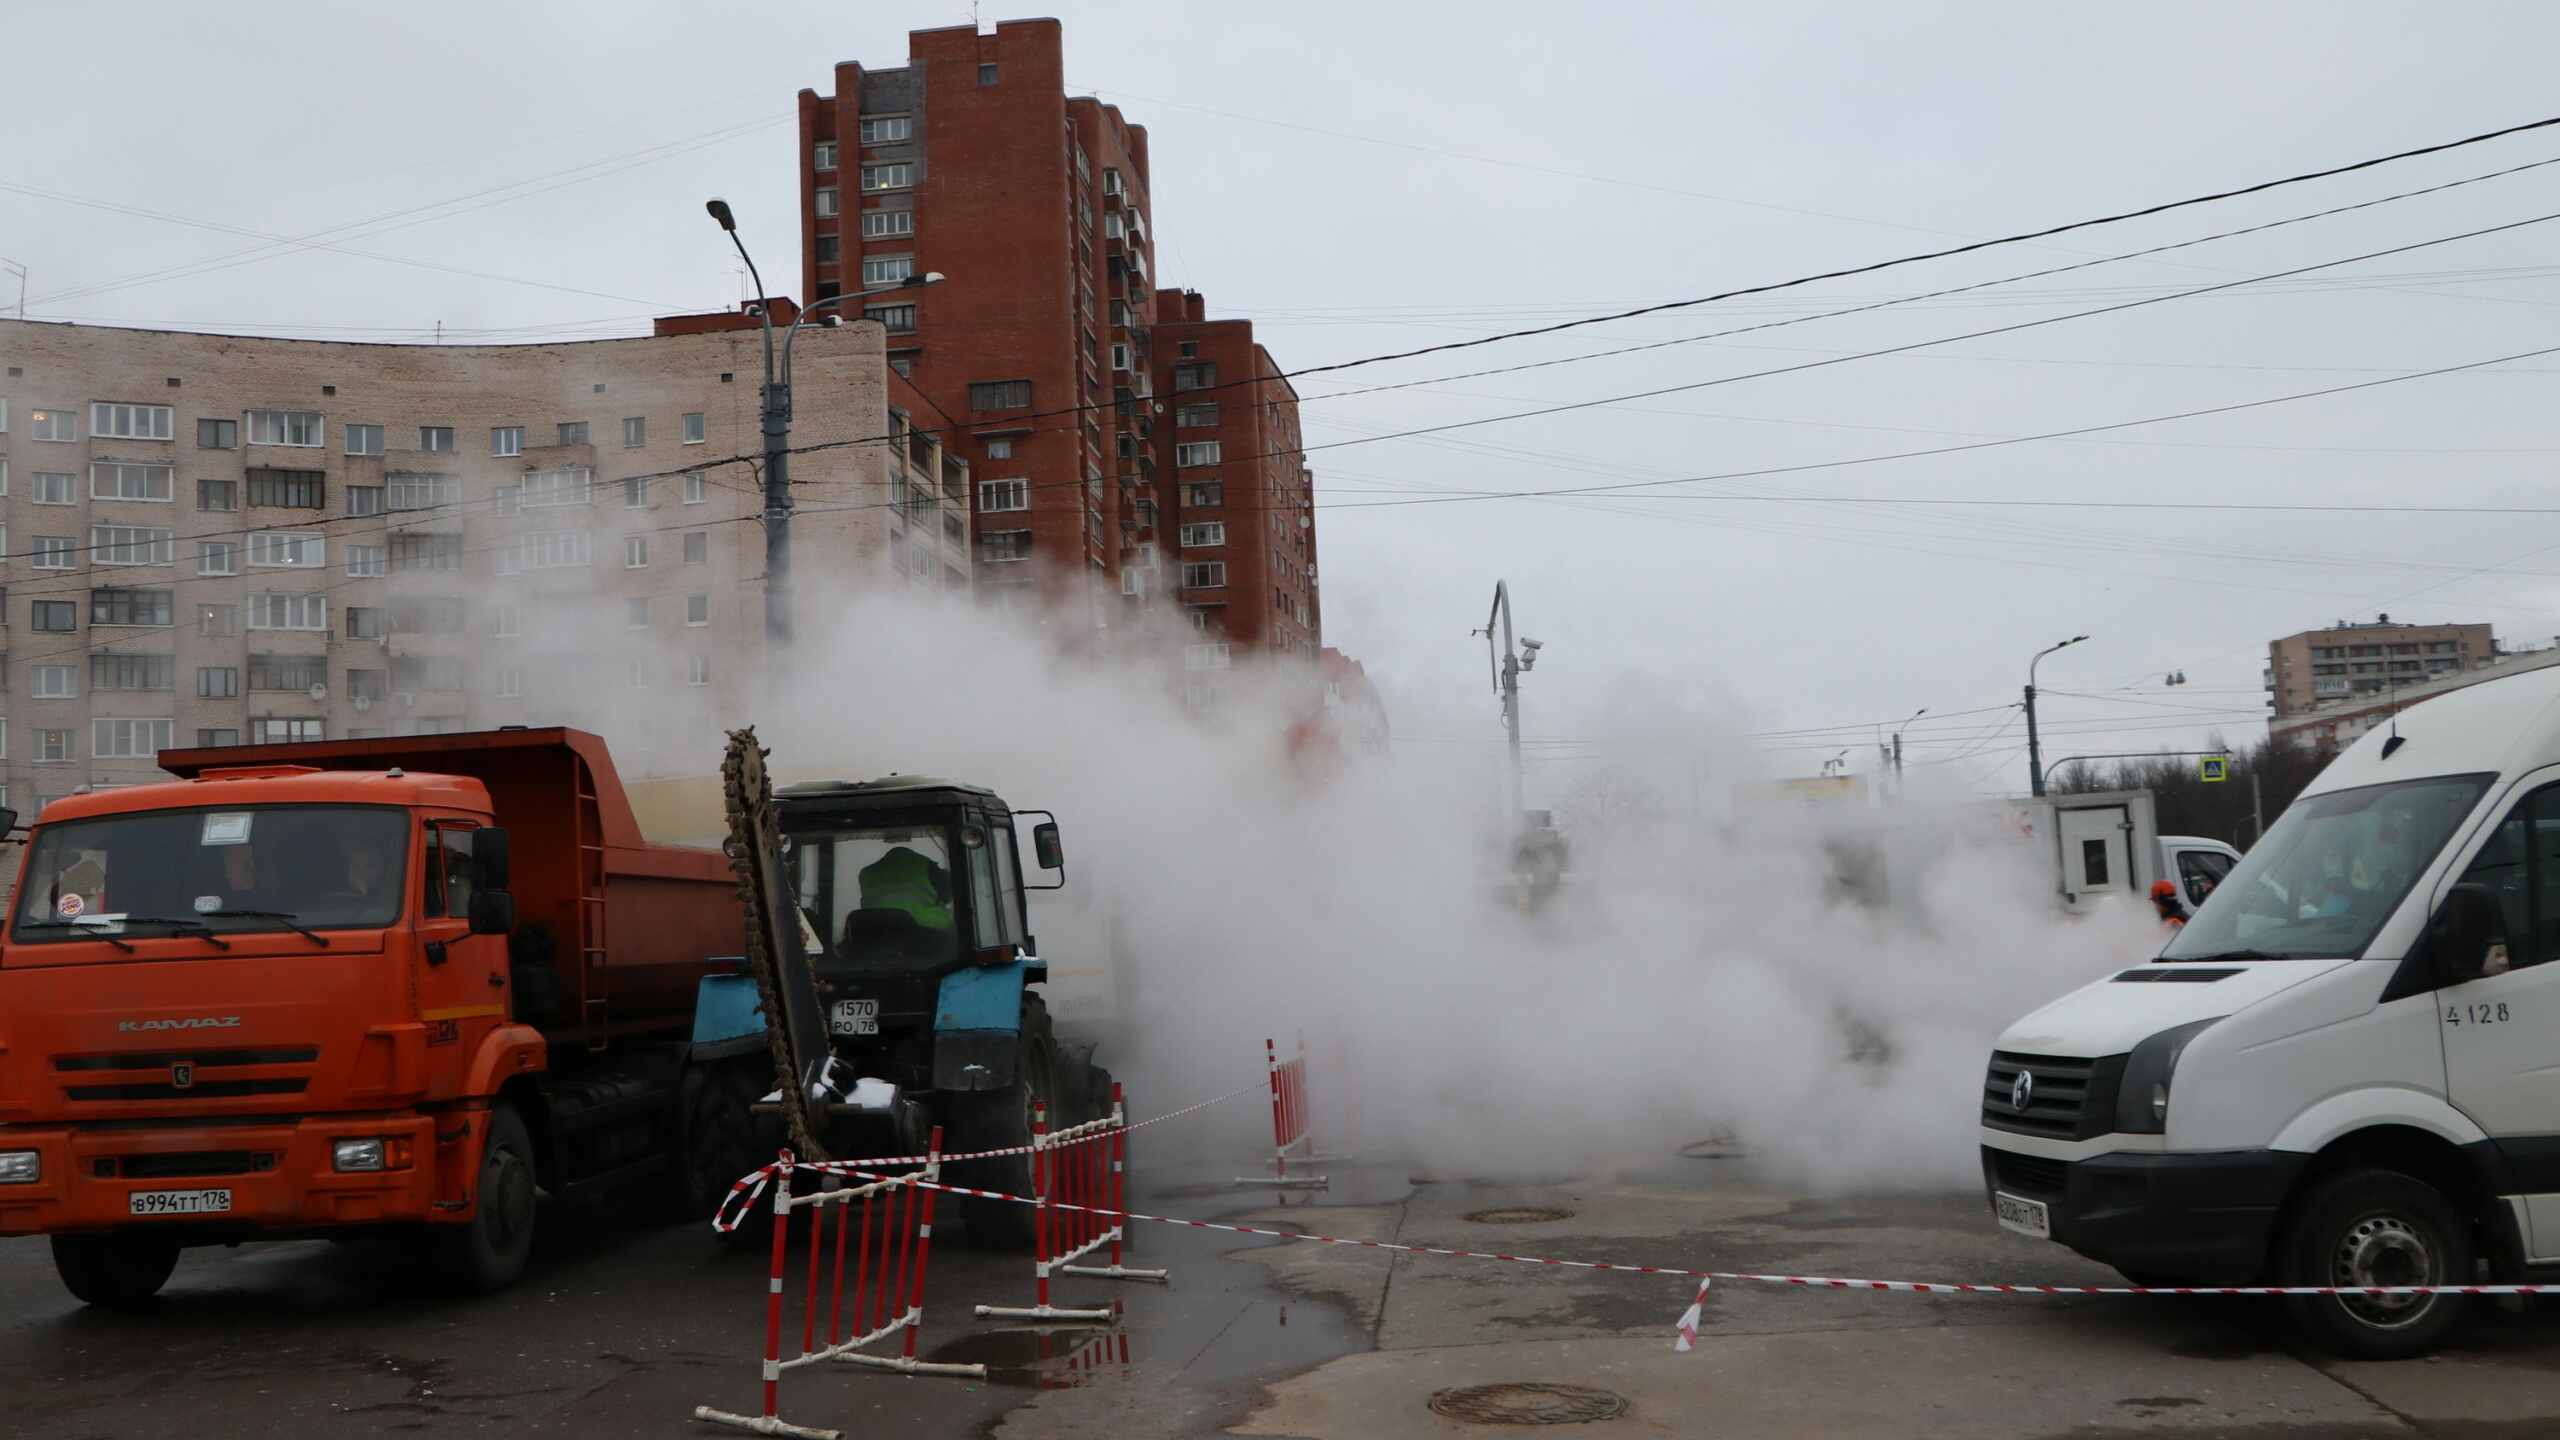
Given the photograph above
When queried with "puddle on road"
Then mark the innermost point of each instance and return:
(1043, 1359)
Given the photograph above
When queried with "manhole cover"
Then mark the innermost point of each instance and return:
(1528, 1403)
(1519, 1215)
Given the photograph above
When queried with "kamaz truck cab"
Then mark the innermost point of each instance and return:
(910, 895)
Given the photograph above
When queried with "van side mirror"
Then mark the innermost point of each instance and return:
(489, 857)
(1045, 847)
(493, 912)
(2469, 933)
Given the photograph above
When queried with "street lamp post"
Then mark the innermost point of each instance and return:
(1895, 754)
(775, 408)
(1509, 664)
(2035, 751)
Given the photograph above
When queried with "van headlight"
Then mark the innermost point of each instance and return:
(2142, 1096)
(21, 1167)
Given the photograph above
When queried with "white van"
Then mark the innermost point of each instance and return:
(2345, 1069)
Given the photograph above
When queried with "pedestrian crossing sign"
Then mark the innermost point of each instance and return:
(2213, 767)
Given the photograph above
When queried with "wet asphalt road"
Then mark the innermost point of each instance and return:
(621, 1330)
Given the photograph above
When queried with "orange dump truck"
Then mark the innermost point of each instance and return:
(304, 989)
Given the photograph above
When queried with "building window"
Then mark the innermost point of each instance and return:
(61, 425)
(435, 437)
(54, 488)
(367, 561)
(1111, 181)
(1210, 533)
(829, 249)
(412, 491)
(697, 670)
(999, 394)
(283, 732)
(888, 270)
(693, 428)
(884, 129)
(52, 746)
(1203, 699)
(1004, 495)
(822, 156)
(285, 427)
(1198, 452)
(52, 616)
(572, 432)
(364, 500)
(897, 176)
(635, 431)
(574, 485)
(57, 682)
(288, 612)
(697, 547)
(217, 434)
(210, 494)
(130, 422)
(635, 493)
(426, 672)
(826, 197)
(217, 682)
(1205, 657)
(510, 622)
(896, 319)
(1005, 545)
(1000, 448)
(638, 672)
(506, 441)
(116, 480)
(1204, 574)
(364, 622)
(129, 739)
(364, 439)
(287, 672)
(218, 620)
(288, 489)
(221, 737)
(427, 615)
(287, 549)
(1193, 416)
(697, 609)
(1119, 356)
(635, 552)
(55, 552)
(128, 607)
(368, 685)
(1204, 492)
(1202, 376)
(697, 488)
(217, 557)
(885, 225)
(130, 672)
(556, 549)
(987, 73)
(425, 550)
(507, 682)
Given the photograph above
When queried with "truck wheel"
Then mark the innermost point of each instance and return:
(113, 1269)
(2375, 1227)
(487, 1252)
(997, 1120)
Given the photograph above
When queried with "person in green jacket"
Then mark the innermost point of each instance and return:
(906, 880)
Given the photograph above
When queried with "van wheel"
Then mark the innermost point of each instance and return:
(2375, 1227)
(113, 1269)
(487, 1252)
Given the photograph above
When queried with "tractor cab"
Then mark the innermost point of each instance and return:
(906, 875)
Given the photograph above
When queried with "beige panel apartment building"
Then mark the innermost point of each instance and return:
(2324, 667)
(215, 539)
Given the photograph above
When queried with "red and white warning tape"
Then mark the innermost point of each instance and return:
(743, 1191)
(1689, 1320)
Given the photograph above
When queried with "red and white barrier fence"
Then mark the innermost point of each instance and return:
(1078, 1183)
(882, 1231)
(1289, 1115)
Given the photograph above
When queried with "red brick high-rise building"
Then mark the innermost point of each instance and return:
(1137, 464)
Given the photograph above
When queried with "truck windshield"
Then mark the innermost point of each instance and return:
(256, 868)
(2329, 873)
(879, 893)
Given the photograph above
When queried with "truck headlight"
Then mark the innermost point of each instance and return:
(20, 1167)
(2142, 1096)
(363, 1154)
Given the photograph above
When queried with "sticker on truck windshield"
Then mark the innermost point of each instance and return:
(229, 827)
(70, 906)
(207, 904)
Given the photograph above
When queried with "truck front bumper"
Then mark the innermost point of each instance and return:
(2200, 1217)
(279, 1176)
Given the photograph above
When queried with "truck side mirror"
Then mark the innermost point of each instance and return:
(489, 857)
(493, 912)
(8, 822)
(1045, 847)
(2469, 929)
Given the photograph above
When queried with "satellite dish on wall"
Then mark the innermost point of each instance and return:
(319, 692)
(364, 702)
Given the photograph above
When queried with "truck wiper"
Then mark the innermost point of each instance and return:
(2225, 955)
(286, 916)
(94, 932)
(196, 928)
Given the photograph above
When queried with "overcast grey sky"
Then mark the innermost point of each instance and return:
(1364, 178)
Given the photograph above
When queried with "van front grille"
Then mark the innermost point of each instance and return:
(2033, 1176)
(2068, 1097)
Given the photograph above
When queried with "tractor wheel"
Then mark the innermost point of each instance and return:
(1000, 1120)
(716, 1140)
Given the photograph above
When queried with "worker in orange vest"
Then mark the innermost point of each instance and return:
(2164, 894)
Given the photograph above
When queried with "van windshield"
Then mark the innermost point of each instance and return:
(2329, 873)
(259, 867)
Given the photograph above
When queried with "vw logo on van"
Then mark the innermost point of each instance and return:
(2022, 1090)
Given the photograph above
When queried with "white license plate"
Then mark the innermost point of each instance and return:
(180, 1202)
(2027, 1217)
(855, 1017)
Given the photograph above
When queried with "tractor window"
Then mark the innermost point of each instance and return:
(879, 893)
(986, 897)
(1008, 883)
